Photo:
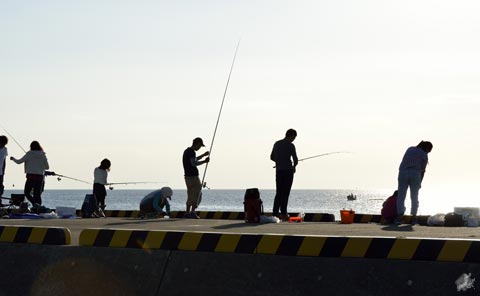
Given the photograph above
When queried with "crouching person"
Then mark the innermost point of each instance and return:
(153, 203)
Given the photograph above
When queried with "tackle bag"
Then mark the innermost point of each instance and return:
(252, 205)
(454, 220)
(89, 206)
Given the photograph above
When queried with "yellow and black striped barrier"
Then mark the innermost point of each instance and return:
(288, 245)
(35, 235)
(228, 215)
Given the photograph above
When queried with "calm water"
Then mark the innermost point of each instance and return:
(311, 201)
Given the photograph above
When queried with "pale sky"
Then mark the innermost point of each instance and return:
(136, 81)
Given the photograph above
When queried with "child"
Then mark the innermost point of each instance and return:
(389, 209)
(100, 175)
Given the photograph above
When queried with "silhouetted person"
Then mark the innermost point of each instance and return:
(410, 174)
(283, 153)
(192, 179)
(100, 175)
(35, 165)
(3, 163)
(154, 202)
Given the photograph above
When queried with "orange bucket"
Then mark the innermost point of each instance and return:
(347, 216)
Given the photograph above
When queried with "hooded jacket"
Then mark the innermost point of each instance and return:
(35, 162)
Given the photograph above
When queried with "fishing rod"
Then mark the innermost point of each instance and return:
(13, 138)
(204, 184)
(59, 178)
(128, 183)
(323, 154)
(319, 155)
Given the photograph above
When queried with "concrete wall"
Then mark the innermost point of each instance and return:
(65, 270)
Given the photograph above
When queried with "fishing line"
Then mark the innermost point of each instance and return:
(324, 154)
(319, 155)
(219, 113)
(59, 178)
(13, 138)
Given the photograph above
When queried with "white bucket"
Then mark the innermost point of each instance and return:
(467, 212)
(472, 222)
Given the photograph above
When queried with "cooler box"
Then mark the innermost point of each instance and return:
(65, 212)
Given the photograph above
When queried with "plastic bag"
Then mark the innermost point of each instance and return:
(269, 219)
(436, 220)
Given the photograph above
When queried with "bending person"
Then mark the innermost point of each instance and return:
(410, 174)
(154, 202)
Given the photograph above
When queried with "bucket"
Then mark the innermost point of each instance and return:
(347, 216)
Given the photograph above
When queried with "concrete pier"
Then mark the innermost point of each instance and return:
(206, 257)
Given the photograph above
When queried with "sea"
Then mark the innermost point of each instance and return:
(307, 201)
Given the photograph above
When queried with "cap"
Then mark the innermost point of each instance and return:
(167, 192)
(198, 141)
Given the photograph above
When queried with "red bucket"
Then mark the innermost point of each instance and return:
(347, 216)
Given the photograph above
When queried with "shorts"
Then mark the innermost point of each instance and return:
(194, 189)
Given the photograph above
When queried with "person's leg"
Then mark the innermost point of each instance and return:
(415, 181)
(2, 188)
(190, 194)
(402, 193)
(197, 192)
(278, 194)
(37, 191)
(27, 191)
(287, 186)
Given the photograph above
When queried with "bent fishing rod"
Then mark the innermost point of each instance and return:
(320, 155)
(204, 184)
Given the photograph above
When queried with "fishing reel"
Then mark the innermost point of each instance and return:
(110, 187)
(205, 185)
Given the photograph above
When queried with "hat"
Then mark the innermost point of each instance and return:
(198, 141)
(167, 192)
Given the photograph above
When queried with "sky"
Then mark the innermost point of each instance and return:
(136, 81)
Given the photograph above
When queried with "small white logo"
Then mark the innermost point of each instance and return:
(464, 282)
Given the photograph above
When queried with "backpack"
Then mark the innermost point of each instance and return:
(454, 220)
(89, 206)
(389, 208)
(252, 205)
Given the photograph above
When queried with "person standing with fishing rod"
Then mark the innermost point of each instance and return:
(36, 164)
(192, 179)
(100, 175)
(283, 153)
(3, 157)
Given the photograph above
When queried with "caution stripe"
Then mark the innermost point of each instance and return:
(227, 215)
(288, 245)
(35, 235)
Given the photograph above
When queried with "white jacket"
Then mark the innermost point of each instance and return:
(35, 162)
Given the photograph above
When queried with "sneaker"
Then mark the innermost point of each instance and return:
(195, 215)
(414, 220)
(284, 217)
(398, 220)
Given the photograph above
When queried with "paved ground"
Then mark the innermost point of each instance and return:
(237, 226)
